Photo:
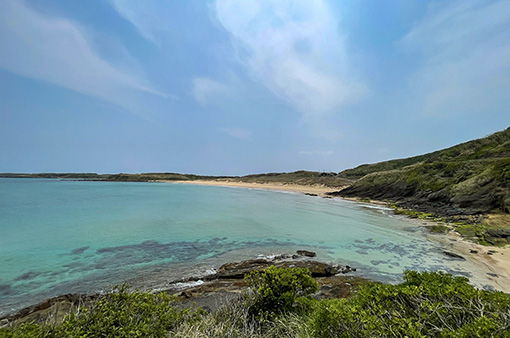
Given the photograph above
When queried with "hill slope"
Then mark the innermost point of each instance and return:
(467, 179)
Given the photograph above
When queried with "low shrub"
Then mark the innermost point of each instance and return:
(280, 290)
(119, 314)
(427, 304)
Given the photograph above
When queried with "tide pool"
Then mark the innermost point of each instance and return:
(61, 237)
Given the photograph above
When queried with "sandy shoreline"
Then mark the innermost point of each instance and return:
(319, 190)
(496, 266)
(494, 261)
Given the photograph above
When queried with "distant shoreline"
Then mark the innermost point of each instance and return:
(496, 263)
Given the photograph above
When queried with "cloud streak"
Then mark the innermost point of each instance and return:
(294, 49)
(57, 51)
(146, 16)
(205, 90)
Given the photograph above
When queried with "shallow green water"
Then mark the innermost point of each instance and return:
(69, 236)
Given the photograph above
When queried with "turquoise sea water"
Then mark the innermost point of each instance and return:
(60, 237)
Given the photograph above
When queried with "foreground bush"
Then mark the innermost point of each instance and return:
(279, 290)
(425, 305)
(119, 314)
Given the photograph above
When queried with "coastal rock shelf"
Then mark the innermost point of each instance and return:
(208, 292)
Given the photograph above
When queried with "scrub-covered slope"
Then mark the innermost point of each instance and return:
(466, 179)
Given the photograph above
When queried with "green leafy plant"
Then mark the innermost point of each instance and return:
(427, 304)
(119, 314)
(277, 290)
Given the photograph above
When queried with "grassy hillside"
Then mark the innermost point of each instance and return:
(301, 177)
(467, 179)
(494, 146)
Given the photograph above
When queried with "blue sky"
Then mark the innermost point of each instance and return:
(236, 87)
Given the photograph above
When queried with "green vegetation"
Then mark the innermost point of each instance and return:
(276, 290)
(495, 146)
(413, 213)
(119, 314)
(438, 228)
(467, 184)
(145, 177)
(426, 304)
(301, 177)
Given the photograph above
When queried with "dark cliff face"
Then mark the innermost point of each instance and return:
(470, 178)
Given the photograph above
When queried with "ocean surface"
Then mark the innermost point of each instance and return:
(60, 237)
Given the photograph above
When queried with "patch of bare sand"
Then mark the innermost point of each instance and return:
(492, 263)
(318, 190)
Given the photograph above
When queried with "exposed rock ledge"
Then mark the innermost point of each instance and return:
(208, 292)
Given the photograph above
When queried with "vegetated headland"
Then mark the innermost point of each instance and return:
(467, 185)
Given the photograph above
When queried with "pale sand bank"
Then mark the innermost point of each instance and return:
(497, 263)
(495, 266)
(319, 190)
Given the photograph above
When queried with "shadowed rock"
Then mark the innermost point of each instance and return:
(79, 251)
(454, 255)
(27, 276)
(306, 253)
(237, 270)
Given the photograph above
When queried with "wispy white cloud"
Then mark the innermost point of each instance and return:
(464, 46)
(294, 48)
(205, 90)
(58, 51)
(238, 133)
(150, 18)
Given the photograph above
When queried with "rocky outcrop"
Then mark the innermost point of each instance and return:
(499, 233)
(453, 255)
(306, 253)
(51, 310)
(237, 270)
(208, 292)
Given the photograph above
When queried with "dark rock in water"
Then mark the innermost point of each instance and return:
(79, 251)
(306, 253)
(454, 255)
(5, 289)
(310, 194)
(295, 256)
(473, 251)
(27, 276)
